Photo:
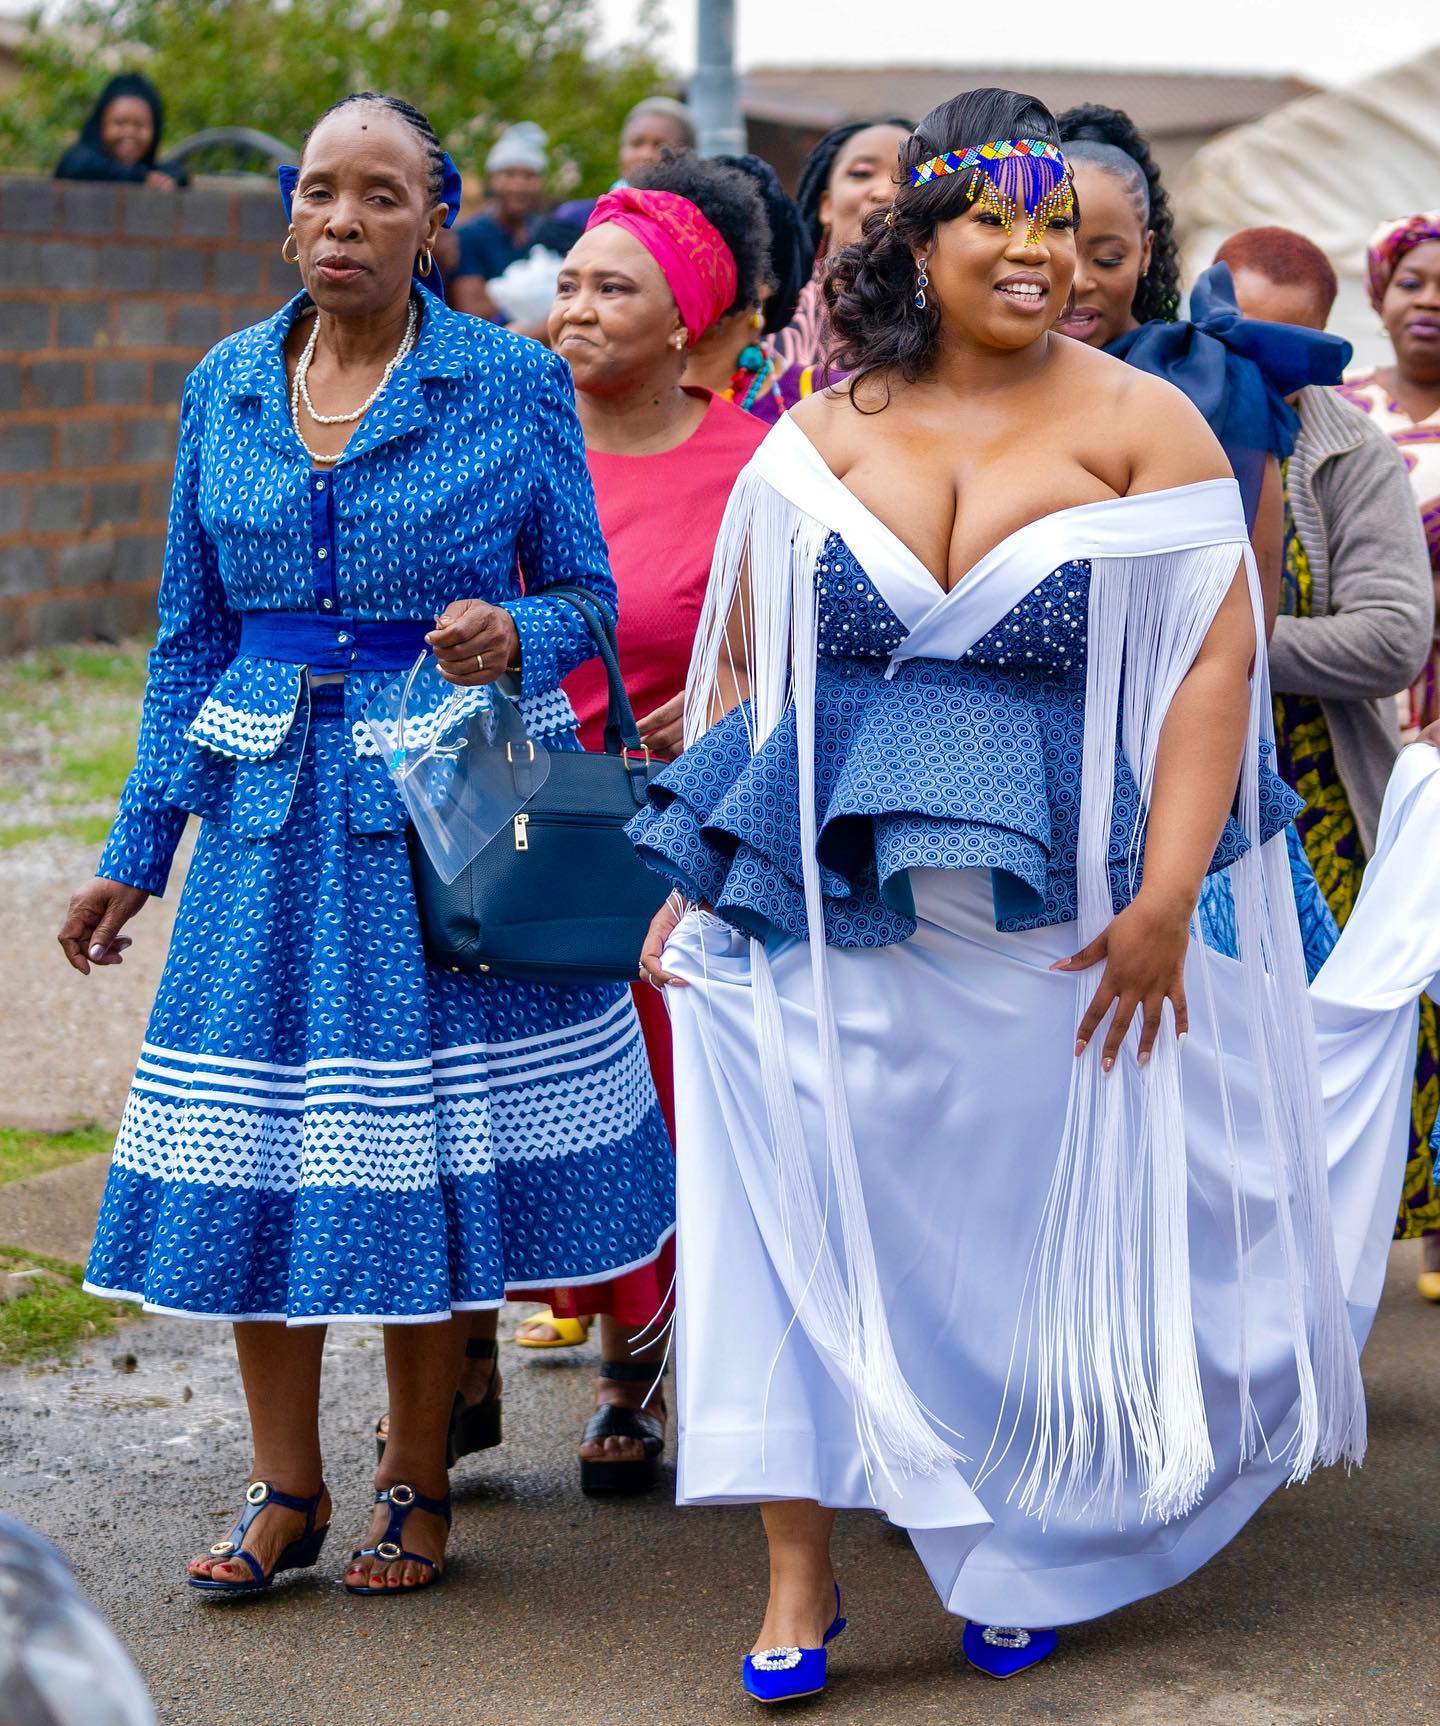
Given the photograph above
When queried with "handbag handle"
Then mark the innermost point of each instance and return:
(622, 735)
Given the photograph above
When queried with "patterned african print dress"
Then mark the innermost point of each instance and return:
(322, 1125)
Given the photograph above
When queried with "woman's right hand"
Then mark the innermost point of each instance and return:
(90, 934)
(662, 927)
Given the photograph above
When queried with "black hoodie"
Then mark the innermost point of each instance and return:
(87, 158)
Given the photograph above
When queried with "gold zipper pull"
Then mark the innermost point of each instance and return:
(522, 836)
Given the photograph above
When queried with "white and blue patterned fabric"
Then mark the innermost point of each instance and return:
(972, 763)
(1215, 914)
(322, 1125)
(467, 476)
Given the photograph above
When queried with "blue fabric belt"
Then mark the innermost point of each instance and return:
(332, 643)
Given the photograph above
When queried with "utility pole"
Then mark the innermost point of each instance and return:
(715, 89)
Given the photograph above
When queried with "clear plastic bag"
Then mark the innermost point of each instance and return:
(461, 758)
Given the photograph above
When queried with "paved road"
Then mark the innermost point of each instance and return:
(561, 1612)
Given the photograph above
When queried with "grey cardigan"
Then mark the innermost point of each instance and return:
(1373, 602)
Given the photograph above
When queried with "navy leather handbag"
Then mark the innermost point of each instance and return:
(559, 895)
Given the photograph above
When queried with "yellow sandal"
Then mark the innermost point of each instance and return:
(569, 1332)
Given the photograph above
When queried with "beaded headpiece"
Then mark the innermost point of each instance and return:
(1008, 175)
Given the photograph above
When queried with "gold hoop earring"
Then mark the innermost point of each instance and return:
(285, 248)
(426, 260)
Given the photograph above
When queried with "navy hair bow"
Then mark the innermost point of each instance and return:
(449, 196)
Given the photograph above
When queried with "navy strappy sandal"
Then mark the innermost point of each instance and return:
(473, 1425)
(625, 1478)
(300, 1554)
(390, 1548)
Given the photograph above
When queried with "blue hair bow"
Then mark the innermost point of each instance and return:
(450, 192)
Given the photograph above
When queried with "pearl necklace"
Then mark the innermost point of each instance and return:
(300, 389)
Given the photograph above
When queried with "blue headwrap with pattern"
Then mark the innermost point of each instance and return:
(289, 176)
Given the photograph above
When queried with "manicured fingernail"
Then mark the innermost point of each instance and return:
(1079, 1049)
(1144, 1060)
(1181, 1038)
(1107, 1063)
(97, 951)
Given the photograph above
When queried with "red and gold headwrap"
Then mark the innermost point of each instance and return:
(1389, 244)
(693, 258)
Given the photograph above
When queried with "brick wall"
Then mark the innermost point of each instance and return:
(108, 296)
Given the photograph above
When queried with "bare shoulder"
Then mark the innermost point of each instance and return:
(1165, 440)
(833, 421)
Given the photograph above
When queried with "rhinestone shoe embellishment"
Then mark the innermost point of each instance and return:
(1001, 1636)
(776, 1659)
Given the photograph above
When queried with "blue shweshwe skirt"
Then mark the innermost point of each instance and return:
(322, 1126)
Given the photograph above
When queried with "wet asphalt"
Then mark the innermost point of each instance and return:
(560, 1611)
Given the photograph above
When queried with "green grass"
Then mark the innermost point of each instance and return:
(56, 1318)
(68, 717)
(24, 1153)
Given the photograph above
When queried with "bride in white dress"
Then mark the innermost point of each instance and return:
(1005, 1205)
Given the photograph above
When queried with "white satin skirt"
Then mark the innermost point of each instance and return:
(956, 1058)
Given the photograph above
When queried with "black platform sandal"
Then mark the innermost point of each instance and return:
(390, 1549)
(473, 1425)
(613, 1421)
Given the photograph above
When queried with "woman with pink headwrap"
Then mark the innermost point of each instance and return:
(660, 264)
(1402, 268)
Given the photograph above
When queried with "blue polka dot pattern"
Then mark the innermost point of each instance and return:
(323, 1126)
(1319, 931)
(466, 480)
(966, 764)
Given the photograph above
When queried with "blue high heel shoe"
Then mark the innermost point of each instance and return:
(400, 1499)
(300, 1554)
(1000, 1651)
(783, 1674)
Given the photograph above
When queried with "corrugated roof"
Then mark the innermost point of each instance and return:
(1160, 103)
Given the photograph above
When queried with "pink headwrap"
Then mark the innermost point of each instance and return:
(693, 258)
(1389, 244)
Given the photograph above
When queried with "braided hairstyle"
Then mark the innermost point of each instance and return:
(413, 118)
(870, 289)
(728, 200)
(820, 164)
(1110, 139)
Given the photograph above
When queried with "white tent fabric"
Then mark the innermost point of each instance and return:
(1331, 166)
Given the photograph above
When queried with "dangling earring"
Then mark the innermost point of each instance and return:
(285, 247)
(922, 281)
(426, 261)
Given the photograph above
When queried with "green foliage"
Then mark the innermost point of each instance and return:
(473, 66)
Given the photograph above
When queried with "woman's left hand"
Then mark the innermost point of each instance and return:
(663, 731)
(474, 642)
(1143, 950)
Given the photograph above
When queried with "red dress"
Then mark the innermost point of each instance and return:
(660, 515)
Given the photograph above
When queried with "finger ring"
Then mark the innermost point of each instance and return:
(479, 661)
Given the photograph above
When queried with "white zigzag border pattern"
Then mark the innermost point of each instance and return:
(283, 1145)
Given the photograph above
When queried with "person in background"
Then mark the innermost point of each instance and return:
(734, 358)
(847, 176)
(654, 125)
(661, 264)
(506, 229)
(1402, 267)
(121, 138)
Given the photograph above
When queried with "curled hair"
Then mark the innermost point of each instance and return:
(875, 324)
(819, 166)
(1122, 151)
(729, 201)
(413, 118)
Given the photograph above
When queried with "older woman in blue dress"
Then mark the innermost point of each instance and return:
(1004, 1202)
(322, 1127)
